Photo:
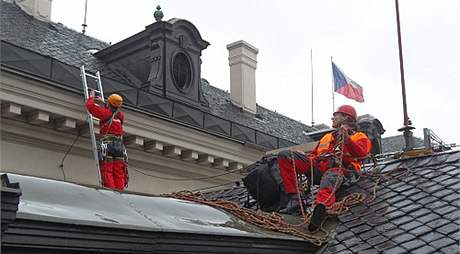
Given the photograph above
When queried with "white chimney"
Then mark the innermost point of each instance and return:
(39, 9)
(243, 62)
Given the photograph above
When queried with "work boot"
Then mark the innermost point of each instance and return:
(292, 205)
(319, 214)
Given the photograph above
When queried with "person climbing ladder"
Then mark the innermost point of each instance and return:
(111, 150)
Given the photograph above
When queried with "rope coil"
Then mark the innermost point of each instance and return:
(274, 221)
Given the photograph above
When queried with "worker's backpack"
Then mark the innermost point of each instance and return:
(264, 184)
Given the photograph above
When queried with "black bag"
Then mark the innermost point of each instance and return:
(115, 148)
(264, 184)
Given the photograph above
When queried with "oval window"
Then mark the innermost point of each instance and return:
(182, 73)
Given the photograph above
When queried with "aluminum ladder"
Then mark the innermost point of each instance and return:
(90, 118)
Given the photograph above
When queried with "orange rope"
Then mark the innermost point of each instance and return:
(275, 222)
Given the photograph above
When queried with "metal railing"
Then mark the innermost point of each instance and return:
(434, 142)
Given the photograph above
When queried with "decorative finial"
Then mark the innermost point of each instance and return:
(158, 14)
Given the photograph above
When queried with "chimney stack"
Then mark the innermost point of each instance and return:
(243, 63)
(39, 9)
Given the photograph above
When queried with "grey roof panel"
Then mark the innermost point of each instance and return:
(63, 202)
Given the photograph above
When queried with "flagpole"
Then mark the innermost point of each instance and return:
(84, 25)
(311, 67)
(406, 129)
(333, 98)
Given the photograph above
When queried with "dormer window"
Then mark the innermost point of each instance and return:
(164, 59)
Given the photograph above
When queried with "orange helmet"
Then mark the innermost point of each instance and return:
(115, 100)
(348, 110)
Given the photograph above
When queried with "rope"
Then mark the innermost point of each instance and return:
(270, 221)
(275, 222)
(304, 216)
(338, 158)
(338, 154)
(357, 198)
(187, 179)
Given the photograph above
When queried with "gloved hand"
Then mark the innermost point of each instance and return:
(96, 96)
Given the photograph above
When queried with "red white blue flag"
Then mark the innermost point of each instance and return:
(346, 86)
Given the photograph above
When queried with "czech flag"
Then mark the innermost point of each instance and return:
(345, 86)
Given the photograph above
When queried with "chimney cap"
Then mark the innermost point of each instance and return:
(241, 43)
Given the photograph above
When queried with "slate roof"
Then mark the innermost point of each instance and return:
(397, 143)
(50, 39)
(71, 47)
(236, 193)
(416, 209)
(417, 213)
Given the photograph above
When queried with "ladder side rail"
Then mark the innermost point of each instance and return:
(99, 84)
(83, 79)
(91, 125)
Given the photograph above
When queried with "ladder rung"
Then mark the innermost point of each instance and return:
(92, 76)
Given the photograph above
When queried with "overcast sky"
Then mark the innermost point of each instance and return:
(360, 35)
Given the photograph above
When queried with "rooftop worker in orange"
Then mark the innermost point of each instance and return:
(112, 152)
(322, 167)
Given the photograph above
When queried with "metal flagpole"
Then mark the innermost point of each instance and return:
(84, 25)
(311, 65)
(406, 129)
(333, 87)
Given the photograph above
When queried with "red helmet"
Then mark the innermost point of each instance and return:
(348, 110)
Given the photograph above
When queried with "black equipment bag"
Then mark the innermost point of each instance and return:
(115, 148)
(111, 146)
(264, 183)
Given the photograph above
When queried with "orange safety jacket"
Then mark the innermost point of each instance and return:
(356, 148)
